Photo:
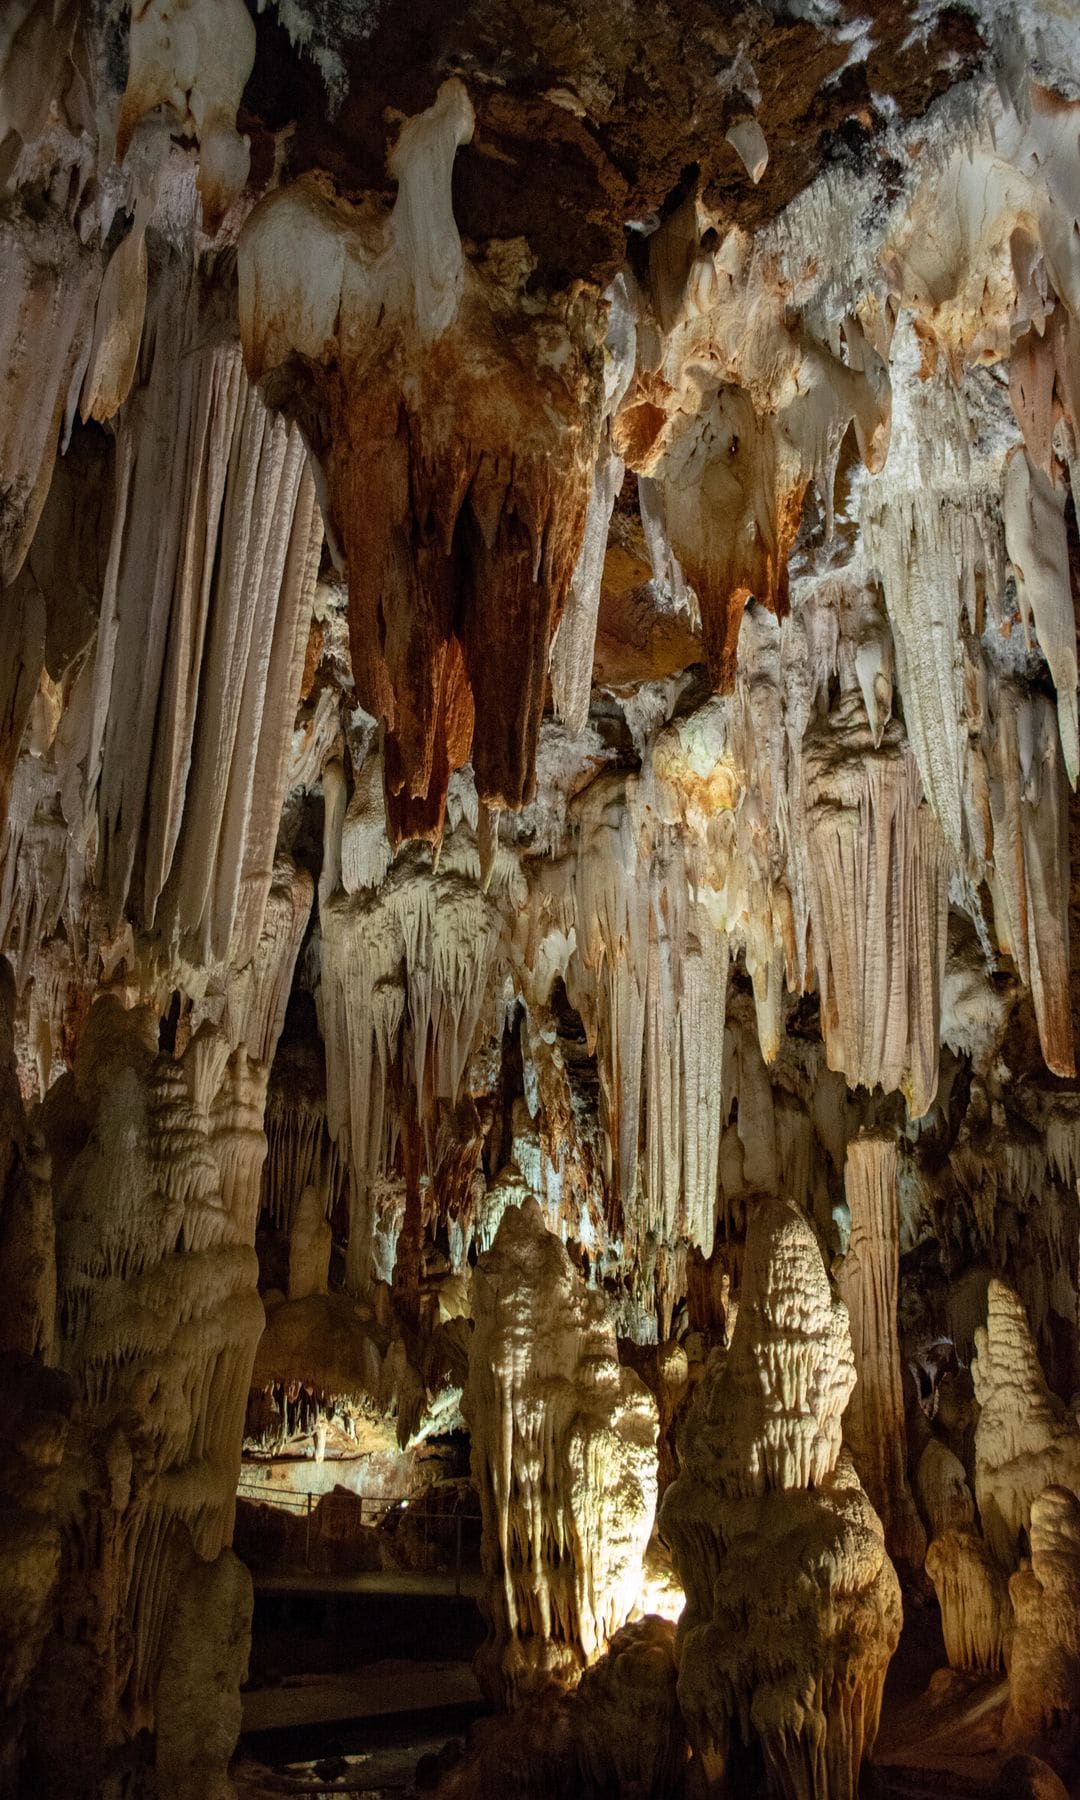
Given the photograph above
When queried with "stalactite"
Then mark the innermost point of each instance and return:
(878, 904)
(300, 1152)
(188, 813)
(930, 555)
(1033, 510)
(421, 954)
(679, 723)
(573, 648)
(868, 1281)
(1030, 877)
(397, 318)
(48, 288)
(727, 437)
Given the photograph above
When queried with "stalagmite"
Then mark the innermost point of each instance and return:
(1025, 1440)
(867, 1281)
(564, 1460)
(973, 1596)
(619, 1732)
(310, 1241)
(1044, 1655)
(157, 1324)
(795, 1665)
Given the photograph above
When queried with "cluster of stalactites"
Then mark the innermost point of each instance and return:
(563, 1458)
(206, 611)
(879, 905)
(458, 457)
(410, 979)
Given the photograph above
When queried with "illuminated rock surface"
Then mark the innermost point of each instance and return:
(538, 734)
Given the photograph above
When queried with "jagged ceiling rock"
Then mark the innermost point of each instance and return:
(604, 114)
(475, 411)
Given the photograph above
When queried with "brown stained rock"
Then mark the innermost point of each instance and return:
(634, 641)
(602, 110)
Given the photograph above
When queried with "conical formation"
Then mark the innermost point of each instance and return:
(792, 1605)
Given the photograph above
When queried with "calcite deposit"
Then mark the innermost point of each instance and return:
(539, 548)
(792, 1605)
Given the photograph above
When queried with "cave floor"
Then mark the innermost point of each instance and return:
(362, 1729)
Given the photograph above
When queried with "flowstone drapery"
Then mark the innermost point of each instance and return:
(868, 1282)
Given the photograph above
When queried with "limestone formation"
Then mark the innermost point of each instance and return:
(564, 1461)
(1044, 1655)
(868, 1282)
(538, 744)
(1025, 1439)
(793, 1608)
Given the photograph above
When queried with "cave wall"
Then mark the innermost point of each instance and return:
(537, 562)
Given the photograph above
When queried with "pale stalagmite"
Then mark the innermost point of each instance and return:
(797, 1667)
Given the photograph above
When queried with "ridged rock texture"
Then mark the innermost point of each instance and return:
(563, 1457)
(792, 1605)
(539, 942)
(867, 1280)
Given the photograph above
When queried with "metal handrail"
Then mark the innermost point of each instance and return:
(303, 1498)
